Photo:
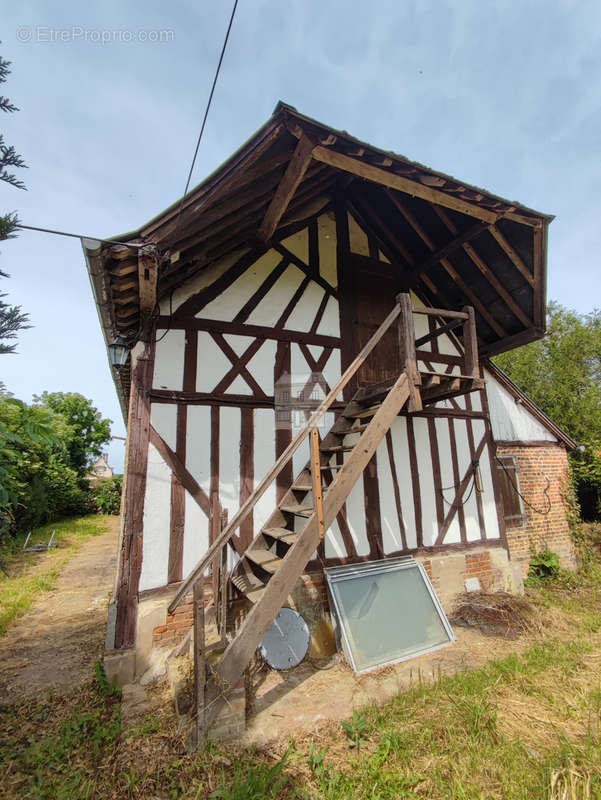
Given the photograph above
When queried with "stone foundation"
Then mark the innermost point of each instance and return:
(541, 530)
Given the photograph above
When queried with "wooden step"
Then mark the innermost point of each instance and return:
(264, 558)
(302, 486)
(255, 595)
(297, 509)
(366, 412)
(247, 582)
(281, 534)
(341, 449)
(332, 467)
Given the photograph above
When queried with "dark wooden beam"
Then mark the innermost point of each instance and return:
(295, 172)
(512, 254)
(390, 179)
(447, 266)
(449, 248)
(148, 274)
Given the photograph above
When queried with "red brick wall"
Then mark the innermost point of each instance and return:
(176, 626)
(540, 530)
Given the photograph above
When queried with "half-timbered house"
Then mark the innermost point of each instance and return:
(308, 385)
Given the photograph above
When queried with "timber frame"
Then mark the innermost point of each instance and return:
(454, 244)
(372, 289)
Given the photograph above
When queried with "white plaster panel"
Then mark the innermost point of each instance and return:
(229, 458)
(400, 448)
(261, 366)
(156, 522)
(211, 363)
(334, 543)
(239, 386)
(355, 513)
(305, 310)
(330, 321)
(163, 418)
(239, 344)
(383, 258)
(426, 481)
(357, 237)
(169, 360)
(198, 445)
(196, 535)
(231, 301)
(391, 530)
(464, 460)
(510, 421)
(453, 535)
(270, 309)
(326, 228)
(491, 517)
(298, 244)
(332, 371)
(264, 458)
(205, 277)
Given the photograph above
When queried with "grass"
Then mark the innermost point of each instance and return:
(30, 574)
(525, 725)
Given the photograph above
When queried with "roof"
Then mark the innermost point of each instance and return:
(537, 412)
(455, 244)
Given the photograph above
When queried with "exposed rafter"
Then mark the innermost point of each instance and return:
(483, 267)
(448, 267)
(393, 181)
(295, 172)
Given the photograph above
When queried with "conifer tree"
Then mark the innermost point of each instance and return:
(12, 318)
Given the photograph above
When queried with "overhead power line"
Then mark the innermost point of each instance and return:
(206, 114)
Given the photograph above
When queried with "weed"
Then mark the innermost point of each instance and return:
(260, 782)
(355, 728)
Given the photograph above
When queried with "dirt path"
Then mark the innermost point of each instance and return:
(56, 643)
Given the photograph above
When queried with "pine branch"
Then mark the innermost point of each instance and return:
(10, 158)
(12, 319)
(8, 225)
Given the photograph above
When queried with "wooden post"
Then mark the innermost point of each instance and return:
(199, 659)
(221, 608)
(130, 557)
(316, 482)
(470, 344)
(407, 350)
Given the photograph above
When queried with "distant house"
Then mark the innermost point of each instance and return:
(259, 295)
(100, 469)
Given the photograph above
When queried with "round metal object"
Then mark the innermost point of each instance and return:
(286, 643)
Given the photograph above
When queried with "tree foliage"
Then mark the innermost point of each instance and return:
(89, 430)
(44, 452)
(107, 494)
(12, 318)
(562, 374)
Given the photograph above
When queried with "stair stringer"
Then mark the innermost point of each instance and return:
(228, 671)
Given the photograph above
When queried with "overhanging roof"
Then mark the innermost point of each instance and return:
(454, 244)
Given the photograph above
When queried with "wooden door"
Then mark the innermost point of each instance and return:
(374, 288)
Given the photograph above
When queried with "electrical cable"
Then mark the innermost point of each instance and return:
(206, 114)
(83, 236)
(528, 503)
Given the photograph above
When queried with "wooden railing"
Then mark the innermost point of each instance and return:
(403, 311)
(285, 457)
(465, 319)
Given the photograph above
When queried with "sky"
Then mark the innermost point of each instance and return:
(505, 95)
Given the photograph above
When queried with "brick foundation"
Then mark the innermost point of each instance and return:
(540, 530)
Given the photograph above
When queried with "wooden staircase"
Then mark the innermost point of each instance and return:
(269, 568)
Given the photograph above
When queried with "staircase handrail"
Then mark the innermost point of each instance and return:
(283, 459)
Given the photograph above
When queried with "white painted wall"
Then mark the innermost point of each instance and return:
(509, 419)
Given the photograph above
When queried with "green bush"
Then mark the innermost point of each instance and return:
(106, 495)
(544, 564)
